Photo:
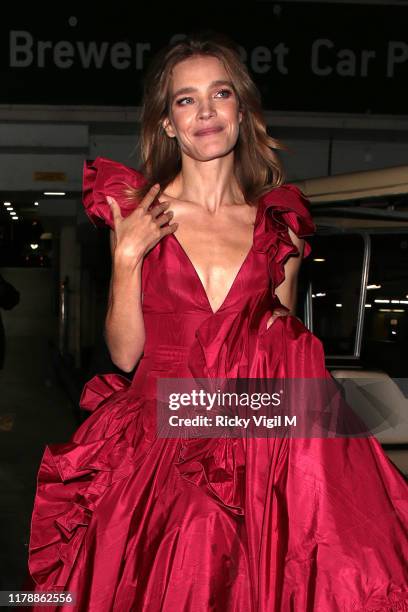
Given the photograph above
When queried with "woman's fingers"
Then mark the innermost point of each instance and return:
(115, 208)
(159, 208)
(168, 229)
(150, 196)
(164, 218)
(276, 313)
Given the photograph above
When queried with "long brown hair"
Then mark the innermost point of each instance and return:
(257, 166)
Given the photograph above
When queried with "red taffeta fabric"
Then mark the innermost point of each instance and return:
(129, 521)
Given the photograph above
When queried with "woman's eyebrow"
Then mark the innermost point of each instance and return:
(187, 90)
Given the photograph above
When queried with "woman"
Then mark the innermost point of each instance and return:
(206, 247)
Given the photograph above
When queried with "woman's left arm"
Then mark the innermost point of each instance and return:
(287, 290)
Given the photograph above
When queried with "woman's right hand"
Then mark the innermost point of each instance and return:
(136, 234)
(278, 312)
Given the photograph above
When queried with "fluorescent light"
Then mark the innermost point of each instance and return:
(14, 218)
(319, 259)
(9, 208)
(373, 286)
(391, 310)
(34, 246)
(54, 193)
(320, 294)
(368, 305)
(391, 301)
(7, 203)
(339, 305)
(35, 203)
(13, 213)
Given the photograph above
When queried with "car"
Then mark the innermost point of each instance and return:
(354, 295)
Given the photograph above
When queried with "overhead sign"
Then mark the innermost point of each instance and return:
(318, 57)
(50, 176)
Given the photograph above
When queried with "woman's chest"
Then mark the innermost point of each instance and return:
(172, 283)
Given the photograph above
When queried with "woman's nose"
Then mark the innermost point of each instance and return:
(206, 109)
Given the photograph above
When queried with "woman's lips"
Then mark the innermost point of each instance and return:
(208, 131)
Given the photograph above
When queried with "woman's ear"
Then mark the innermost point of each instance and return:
(168, 128)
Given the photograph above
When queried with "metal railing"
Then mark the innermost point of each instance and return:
(63, 317)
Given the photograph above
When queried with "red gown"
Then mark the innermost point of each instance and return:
(129, 521)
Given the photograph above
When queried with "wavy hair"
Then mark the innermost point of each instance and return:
(257, 166)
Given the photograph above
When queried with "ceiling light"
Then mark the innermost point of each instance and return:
(35, 203)
(14, 218)
(34, 246)
(54, 193)
(373, 286)
(7, 203)
(9, 208)
(13, 214)
(391, 310)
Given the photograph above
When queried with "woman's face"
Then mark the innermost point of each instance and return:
(204, 110)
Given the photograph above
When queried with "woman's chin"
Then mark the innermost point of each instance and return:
(211, 153)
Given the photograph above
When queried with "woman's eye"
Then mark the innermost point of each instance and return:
(222, 93)
(225, 93)
(182, 101)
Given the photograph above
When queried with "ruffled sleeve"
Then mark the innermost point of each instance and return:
(282, 208)
(104, 177)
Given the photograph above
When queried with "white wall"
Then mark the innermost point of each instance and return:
(27, 147)
(354, 156)
(121, 148)
(43, 135)
(17, 171)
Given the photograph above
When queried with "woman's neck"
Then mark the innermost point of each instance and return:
(210, 184)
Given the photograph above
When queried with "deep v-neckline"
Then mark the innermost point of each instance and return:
(235, 277)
